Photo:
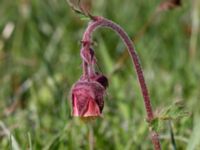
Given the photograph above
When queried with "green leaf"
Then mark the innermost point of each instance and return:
(174, 112)
(154, 124)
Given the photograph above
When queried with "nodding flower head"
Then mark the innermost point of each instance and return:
(87, 96)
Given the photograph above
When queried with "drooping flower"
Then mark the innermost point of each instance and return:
(88, 95)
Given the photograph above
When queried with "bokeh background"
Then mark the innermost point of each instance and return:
(40, 61)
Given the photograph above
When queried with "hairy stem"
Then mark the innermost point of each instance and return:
(87, 40)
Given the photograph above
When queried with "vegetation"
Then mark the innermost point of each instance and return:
(40, 60)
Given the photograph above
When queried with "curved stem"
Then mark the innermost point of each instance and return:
(102, 22)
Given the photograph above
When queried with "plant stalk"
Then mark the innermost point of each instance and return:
(98, 22)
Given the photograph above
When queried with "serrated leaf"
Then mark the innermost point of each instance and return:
(174, 112)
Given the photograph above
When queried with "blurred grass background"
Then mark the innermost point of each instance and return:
(40, 60)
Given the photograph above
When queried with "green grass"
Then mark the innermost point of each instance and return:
(40, 61)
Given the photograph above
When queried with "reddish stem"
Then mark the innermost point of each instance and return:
(102, 22)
